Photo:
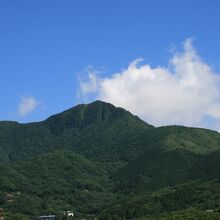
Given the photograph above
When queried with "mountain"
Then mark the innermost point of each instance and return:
(101, 160)
(97, 130)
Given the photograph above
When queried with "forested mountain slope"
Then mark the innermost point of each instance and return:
(101, 160)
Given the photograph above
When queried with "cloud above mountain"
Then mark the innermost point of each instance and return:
(27, 105)
(186, 92)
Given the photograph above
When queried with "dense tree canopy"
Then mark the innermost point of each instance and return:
(103, 162)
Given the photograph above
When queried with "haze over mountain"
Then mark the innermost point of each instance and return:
(101, 160)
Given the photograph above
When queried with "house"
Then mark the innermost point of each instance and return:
(68, 213)
(47, 217)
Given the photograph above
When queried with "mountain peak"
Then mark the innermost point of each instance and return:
(85, 114)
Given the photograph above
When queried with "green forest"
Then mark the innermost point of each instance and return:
(104, 163)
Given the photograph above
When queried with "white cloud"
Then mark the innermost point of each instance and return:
(27, 105)
(186, 92)
(91, 83)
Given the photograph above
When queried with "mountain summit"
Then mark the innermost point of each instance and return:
(86, 114)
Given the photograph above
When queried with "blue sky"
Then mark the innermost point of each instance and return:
(46, 46)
